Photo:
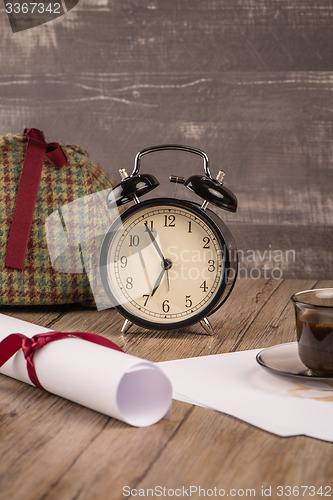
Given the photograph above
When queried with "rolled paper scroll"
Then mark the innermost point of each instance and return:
(119, 385)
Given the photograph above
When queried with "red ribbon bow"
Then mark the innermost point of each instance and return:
(35, 154)
(16, 341)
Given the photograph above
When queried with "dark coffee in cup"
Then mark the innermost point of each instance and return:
(314, 326)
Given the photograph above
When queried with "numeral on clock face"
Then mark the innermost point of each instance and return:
(169, 221)
(134, 240)
(149, 225)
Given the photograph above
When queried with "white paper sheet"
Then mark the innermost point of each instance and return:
(109, 381)
(235, 384)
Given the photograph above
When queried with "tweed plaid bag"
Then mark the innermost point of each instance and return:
(36, 179)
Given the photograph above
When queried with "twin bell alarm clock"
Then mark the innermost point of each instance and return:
(167, 263)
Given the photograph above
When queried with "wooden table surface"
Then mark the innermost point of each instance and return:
(51, 448)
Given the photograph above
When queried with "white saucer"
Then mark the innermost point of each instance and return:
(283, 359)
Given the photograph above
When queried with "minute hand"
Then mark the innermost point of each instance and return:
(155, 243)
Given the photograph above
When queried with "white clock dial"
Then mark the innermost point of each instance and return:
(163, 263)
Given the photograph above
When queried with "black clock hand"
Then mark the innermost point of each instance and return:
(166, 264)
(158, 281)
(155, 243)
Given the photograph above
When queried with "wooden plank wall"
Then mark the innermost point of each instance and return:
(248, 81)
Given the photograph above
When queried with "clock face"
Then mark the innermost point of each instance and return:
(163, 264)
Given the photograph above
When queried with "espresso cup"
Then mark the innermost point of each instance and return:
(314, 326)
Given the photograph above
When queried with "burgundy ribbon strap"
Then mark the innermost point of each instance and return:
(16, 341)
(35, 154)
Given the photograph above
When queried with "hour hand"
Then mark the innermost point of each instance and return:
(166, 265)
(158, 281)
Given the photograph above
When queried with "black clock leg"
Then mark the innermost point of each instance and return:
(205, 323)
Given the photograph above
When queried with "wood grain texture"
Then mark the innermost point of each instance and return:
(271, 133)
(52, 448)
(250, 82)
(192, 35)
(210, 455)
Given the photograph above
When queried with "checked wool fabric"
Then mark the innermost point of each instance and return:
(39, 283)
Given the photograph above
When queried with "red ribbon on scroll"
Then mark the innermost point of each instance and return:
(26, 198)
(16, 341)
